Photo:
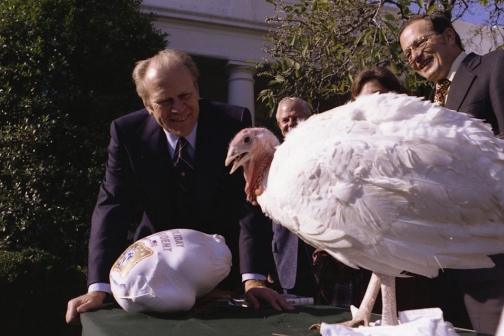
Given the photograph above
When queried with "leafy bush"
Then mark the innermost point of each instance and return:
(66, 73)
(34, 289)
(318, 46)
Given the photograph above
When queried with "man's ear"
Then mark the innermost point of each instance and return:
(146, 105)
(196, 86)
(449, 36)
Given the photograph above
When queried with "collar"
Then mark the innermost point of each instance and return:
(172, 139)
(455, 65)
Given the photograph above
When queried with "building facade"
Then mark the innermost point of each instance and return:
(226, 38)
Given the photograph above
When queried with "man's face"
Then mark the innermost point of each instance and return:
(173, 98)
(289, 113)
(434, 57)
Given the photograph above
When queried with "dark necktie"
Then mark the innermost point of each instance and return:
(183, 164)
(441, 89)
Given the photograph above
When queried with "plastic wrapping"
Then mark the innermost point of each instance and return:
(167, 271)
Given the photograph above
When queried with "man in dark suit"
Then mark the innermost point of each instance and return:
(434, 50)
(473, 84)
(141, 171)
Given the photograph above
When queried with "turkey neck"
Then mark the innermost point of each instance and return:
(254, 172)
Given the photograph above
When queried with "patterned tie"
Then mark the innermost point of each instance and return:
(183, 164)
(441, 89)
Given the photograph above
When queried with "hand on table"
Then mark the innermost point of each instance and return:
(83, 303)
(256, 291)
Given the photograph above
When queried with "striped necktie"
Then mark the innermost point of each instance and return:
(184, 166)
(441, 89)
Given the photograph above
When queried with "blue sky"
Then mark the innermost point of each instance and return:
(476, 14)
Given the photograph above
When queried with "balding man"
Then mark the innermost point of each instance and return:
(290, 111)
(293, 257)
(169, 159)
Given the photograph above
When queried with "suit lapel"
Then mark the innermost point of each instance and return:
(155, 164)
(462, 82)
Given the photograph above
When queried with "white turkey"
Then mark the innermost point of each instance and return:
(390, 183)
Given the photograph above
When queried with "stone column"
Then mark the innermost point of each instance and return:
(241, 85)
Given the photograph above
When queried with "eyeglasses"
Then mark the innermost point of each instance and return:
(419, 44)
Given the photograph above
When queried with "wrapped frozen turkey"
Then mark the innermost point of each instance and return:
(167, 271)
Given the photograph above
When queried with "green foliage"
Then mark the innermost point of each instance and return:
(34, 287)
(319, 45)
(66, 73)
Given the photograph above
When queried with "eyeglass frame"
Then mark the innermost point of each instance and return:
(424, 39)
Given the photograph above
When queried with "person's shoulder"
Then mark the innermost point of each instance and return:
(484, 62)
(495, 54)
(226, 111)
(134, 117)
(498, 52)
(130, 123)
(132, 120)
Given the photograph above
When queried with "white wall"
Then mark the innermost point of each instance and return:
(235, 29)
(480, 44)
(228, 29)
(233, 32)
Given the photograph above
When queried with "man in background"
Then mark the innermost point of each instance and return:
(302, 269)
(464, 82)
(473, 84)
(293, 257)
(290, 111)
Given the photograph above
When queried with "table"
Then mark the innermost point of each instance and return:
(215, 318)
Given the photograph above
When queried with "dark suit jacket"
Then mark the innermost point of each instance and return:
(478, 89)
(139, 171)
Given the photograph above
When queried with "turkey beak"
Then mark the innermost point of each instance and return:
(229, 159)
(237, 158)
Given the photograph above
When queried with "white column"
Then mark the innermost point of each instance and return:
(241, 85)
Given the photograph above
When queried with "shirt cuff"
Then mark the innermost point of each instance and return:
(99, 287)
(249, 276)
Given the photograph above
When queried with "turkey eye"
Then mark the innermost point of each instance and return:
(246, 140)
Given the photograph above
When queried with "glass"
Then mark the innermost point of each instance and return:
(419, 44)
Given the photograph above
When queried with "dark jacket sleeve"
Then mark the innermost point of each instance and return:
(255, 241)
(255, 236)
(255, 228)
(113, 210)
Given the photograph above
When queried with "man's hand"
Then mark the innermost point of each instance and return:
(256, 290)
(83, 303)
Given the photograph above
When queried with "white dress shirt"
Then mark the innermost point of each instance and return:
(453, 70)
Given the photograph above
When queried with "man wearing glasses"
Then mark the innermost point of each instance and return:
(434, 50)
(473, 84)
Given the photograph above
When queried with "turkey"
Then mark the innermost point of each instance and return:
(390, 183)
